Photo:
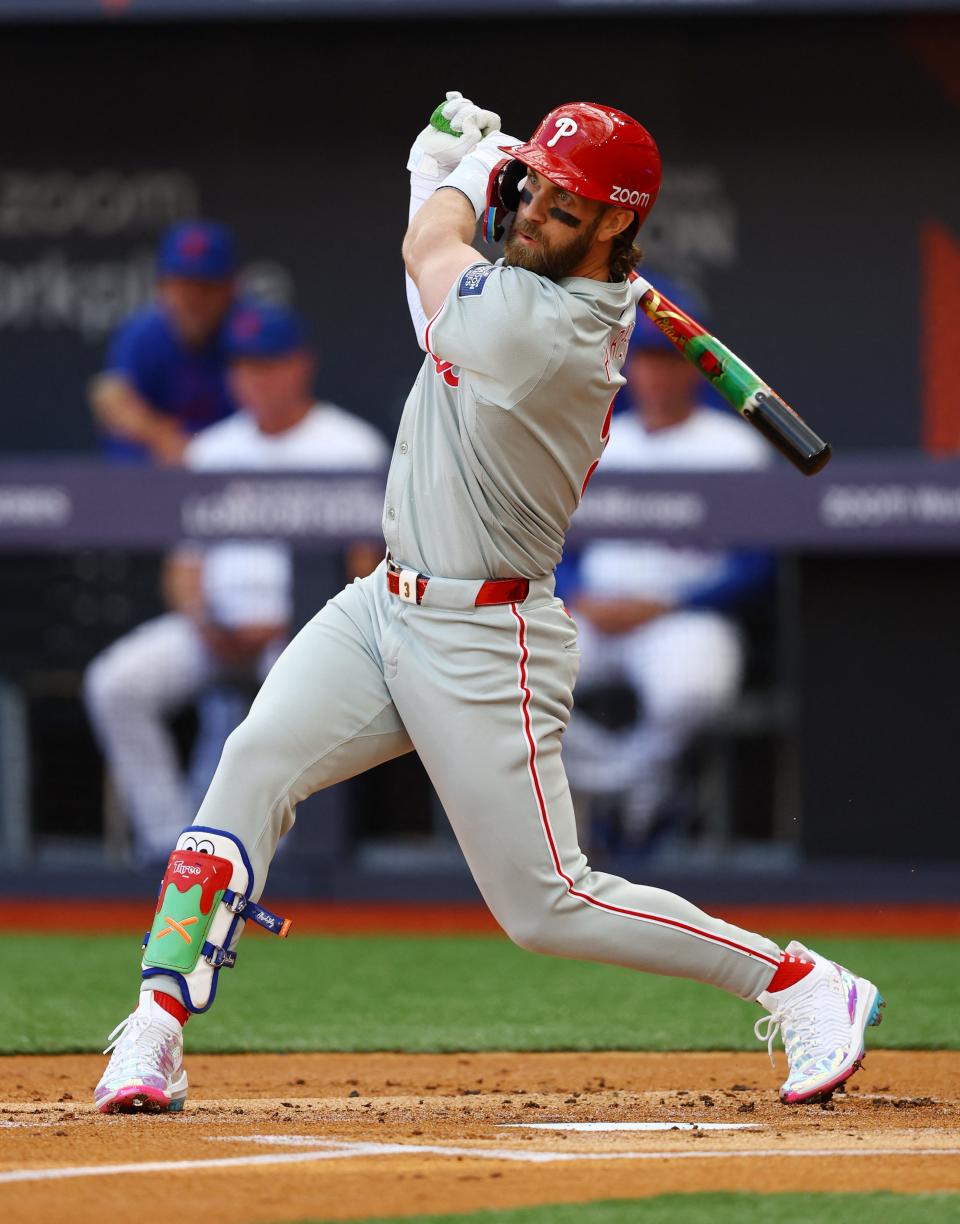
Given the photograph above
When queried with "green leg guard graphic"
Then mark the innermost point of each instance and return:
(203, 901)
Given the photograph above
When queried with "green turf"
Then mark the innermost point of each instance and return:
(718, 1209)
(65, 993)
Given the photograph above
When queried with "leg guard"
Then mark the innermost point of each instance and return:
(204, 898)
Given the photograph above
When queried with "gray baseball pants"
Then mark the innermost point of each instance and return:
(483, 695)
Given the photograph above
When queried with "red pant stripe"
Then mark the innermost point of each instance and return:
(524, 655)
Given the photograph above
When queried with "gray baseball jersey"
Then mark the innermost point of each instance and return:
(502, 430)
(505, 423)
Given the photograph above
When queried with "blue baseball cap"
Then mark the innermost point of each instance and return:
(198, 250)
(647, 337)
(257, 329)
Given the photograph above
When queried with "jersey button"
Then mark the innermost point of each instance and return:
(391, 513)
(403, 448)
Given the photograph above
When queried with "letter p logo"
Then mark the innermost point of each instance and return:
(565, 127)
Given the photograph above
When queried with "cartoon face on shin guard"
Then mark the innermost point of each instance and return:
(206, 885)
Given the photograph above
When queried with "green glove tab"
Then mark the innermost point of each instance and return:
(437, 121)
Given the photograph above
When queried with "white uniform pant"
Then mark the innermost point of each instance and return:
(483, 695)
(130, 691)
(686, 669)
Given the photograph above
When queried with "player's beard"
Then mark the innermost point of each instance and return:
(553, 262)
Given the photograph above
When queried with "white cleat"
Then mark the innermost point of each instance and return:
(145, 1073)
(822, 1020)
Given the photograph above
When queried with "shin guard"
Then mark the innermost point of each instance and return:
(204, 899)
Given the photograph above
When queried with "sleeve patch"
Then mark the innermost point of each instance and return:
(474, 279)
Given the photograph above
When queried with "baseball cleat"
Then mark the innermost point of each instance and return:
(145, 1073)
(822, 1020)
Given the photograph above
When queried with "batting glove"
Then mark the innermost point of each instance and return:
(475, 173)
(434, 153)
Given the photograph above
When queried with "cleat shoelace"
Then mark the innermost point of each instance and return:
(773, 1027)
(137, 1039)
(795, 1037)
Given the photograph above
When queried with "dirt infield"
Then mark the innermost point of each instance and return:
(341, 1136)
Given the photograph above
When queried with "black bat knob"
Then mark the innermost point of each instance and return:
(790, 434)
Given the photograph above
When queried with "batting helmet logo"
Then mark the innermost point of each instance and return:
(596, 152)
(193, 243)
(565, 127)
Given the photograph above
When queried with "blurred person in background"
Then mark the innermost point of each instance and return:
(231, 603)
(166, 371)
(654, 617)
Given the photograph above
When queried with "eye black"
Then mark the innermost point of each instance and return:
(561, 214)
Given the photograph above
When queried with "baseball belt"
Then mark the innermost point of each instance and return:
(409, 586)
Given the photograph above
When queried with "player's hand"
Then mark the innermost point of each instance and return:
(617, 615)
(488, 152)
(435, 153)
(168, 442)
(240, 645)
(464, 116)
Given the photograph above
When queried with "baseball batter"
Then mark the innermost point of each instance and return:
(455, 646)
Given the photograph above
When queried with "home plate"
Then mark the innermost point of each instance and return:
(636, 1126)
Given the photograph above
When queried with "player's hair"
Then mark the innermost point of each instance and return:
(624, 253)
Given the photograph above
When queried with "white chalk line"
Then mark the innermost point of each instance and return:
(283, 1140)
(92, 1115)
(338, 1150)
(604, 1127)
(169, 1166)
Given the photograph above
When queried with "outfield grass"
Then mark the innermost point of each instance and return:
(718, 1209)
(65, 993)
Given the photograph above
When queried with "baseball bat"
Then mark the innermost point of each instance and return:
(737, 383)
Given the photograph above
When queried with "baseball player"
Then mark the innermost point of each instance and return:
(230, 604)
(455, 645)
(166, 374)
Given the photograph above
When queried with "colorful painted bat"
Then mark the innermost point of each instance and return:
(736, 382)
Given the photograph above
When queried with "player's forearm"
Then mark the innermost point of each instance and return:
(421, 189)
(436, 249)
(618, 614)
(242, 644)
(118, 408)
(182, 584)
(446, 220)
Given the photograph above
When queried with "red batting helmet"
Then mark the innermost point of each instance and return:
(596, 152)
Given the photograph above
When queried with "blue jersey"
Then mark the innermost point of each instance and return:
(187, 384)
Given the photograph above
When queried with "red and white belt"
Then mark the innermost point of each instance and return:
(409, 586)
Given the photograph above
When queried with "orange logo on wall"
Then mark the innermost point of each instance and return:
(939, 311)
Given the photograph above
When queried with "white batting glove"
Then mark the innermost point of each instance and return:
(464, 116)
(472, 174)
(434, 153)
